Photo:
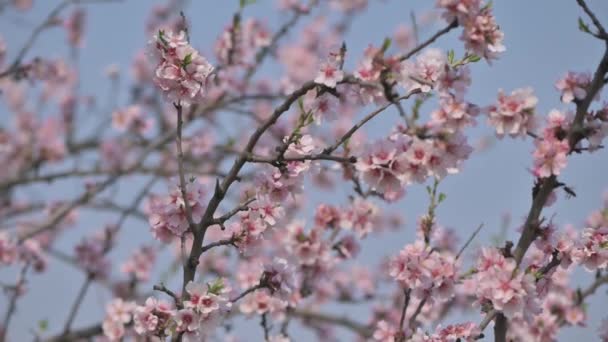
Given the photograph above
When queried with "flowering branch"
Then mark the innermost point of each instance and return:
(176, 299)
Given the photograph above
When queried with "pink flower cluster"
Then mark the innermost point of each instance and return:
(152, 318)
(592, 251)
(279, 292)
(573, 86)
(131, 119)
(513, 114)
(168, 216)
(452, 333)
(481, 34)
(118, 314)
(196, 320)
(426, 273)
(497, 283)
(30, 251)
(91, 252)
(330, 73)
(140, 264)
(238, 45)
(551, 153)
(389, 165)
(181, 72)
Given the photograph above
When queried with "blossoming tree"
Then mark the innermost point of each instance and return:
(225, 209)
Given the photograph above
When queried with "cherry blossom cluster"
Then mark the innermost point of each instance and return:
(513, 115)
(551, 153)
(389, 165)
(30, 252)
(140, 264)
(573, 86)
(168, 215)
(181, 71)
(497, 283)
(118, 314)
(91, 252)
(240, 41)
(279, 291)
(592, 250)
(481, 34)
(452, 333)
(257, 246)
(132, 119)
(424, 272)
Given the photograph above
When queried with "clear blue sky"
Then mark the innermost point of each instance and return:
(542, 43)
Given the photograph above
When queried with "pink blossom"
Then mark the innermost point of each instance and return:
(573, 86)
(550, 156)
(8, 249)
(482, 36)
(512, 115)
(187, 320)
(423, 271)
(385, 332)
(459, 9)
(131, 119)
(140, 263)
(113, 330)
(425, 73)
(75, 27)
(329, 75)
(151, 317)
(181, 72)
(120, 311)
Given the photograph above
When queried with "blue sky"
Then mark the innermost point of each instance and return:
(542, 42)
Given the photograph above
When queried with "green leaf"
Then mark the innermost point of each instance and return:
(161, 37)
(442, 197)
(216, 287)
(244, 3)
(386, 44)
(451, 57)
(43, 325)
(582, 26)
(428, 189)
(187, 60)
(487, 6)
(473, 58)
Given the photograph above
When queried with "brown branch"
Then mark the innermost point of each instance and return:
(260, 285)
(324, 318)
(403, 311)
(500, 328)
(543, 189)
(12, 305)
(430, 41)
(222, 188)
(360, 124)
(225, 242)
(602, 32)
(180, 167)
(77, 335)
(417, 312)
(162, 288)
(242, 207)
(77, 303)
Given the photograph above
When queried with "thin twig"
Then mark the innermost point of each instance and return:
(162, 288)
(466, 244)
(77, 304)
(430, 41)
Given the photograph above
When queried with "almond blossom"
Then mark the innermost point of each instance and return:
(181, 72)
(513, 113)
